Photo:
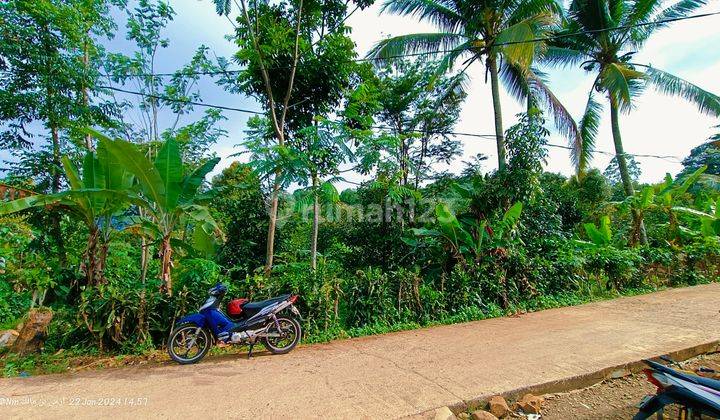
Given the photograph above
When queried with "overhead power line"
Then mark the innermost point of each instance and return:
(559, 146)
(448, 133)
(183, 101)
(418, 54)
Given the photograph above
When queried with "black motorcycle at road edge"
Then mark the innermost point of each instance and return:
(696, 396)
(273, 322)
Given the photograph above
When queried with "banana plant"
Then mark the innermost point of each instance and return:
(171, 198)
(95, 198)
(469, 238)
(709, 218)
(670, 192)
(638, 204)
(664, 197)
(600, 236)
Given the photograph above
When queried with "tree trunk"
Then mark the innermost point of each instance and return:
(102, 262)
(91, 257)
(85, 97)
(623, 167)
(270, 250)
(166, 264)
(142, 312)
(421, 161)
(316, 224)
(55, 159)
(404, 159)
(499, 132)
(56, 180)
(531, 102)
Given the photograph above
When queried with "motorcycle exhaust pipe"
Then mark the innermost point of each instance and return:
(246, 335)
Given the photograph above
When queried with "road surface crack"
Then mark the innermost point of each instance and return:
(409, 370)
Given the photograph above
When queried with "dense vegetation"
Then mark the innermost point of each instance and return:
(111, 221)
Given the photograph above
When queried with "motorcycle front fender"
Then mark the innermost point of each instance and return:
(653, 405)
(197, 319)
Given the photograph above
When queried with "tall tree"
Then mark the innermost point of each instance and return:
(295, 57)
(420, 109)
(494, 32)
(603, 36)
(140, 117)
(45, 48)
(269, 37)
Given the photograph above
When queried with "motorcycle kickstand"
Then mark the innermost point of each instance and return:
(252, 344)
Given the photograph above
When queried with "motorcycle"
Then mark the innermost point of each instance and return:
(696, 395)
(243, 323)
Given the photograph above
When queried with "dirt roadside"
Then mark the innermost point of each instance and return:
(614, 399)
(387, 376)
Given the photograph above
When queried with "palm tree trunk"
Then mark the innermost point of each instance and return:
(619, 150)
(624, 172)
(531, 102)
(316, 224)
(499, 132)
(270, 250)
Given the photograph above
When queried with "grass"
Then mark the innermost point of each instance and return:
(469, 314)
(76, 359)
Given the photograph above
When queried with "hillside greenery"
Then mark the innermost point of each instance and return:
(124, 223)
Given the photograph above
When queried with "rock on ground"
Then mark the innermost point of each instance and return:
(33, 333)
(530, 404)
(7, 338)
(482, 415)
(498, 406)
(444, 413)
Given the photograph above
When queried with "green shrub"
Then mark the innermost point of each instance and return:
(615, 268)
(699, 262)
(13, 305)
(111, 312)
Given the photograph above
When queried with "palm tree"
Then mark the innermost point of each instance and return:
(602, 36)
(501, 33)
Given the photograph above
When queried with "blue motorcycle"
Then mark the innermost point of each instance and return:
(273, 322)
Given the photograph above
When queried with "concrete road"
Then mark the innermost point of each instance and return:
(385, 376)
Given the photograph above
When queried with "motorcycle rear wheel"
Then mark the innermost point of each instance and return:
(290, 331)
(188, 344)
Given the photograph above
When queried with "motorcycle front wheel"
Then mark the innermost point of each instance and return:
(188, 344)
(281, 342)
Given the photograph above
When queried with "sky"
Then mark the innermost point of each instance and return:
(659, 125)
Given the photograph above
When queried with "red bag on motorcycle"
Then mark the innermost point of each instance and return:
(234, 307)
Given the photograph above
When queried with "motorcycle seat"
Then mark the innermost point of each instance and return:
(700, 380)
(256, 306)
